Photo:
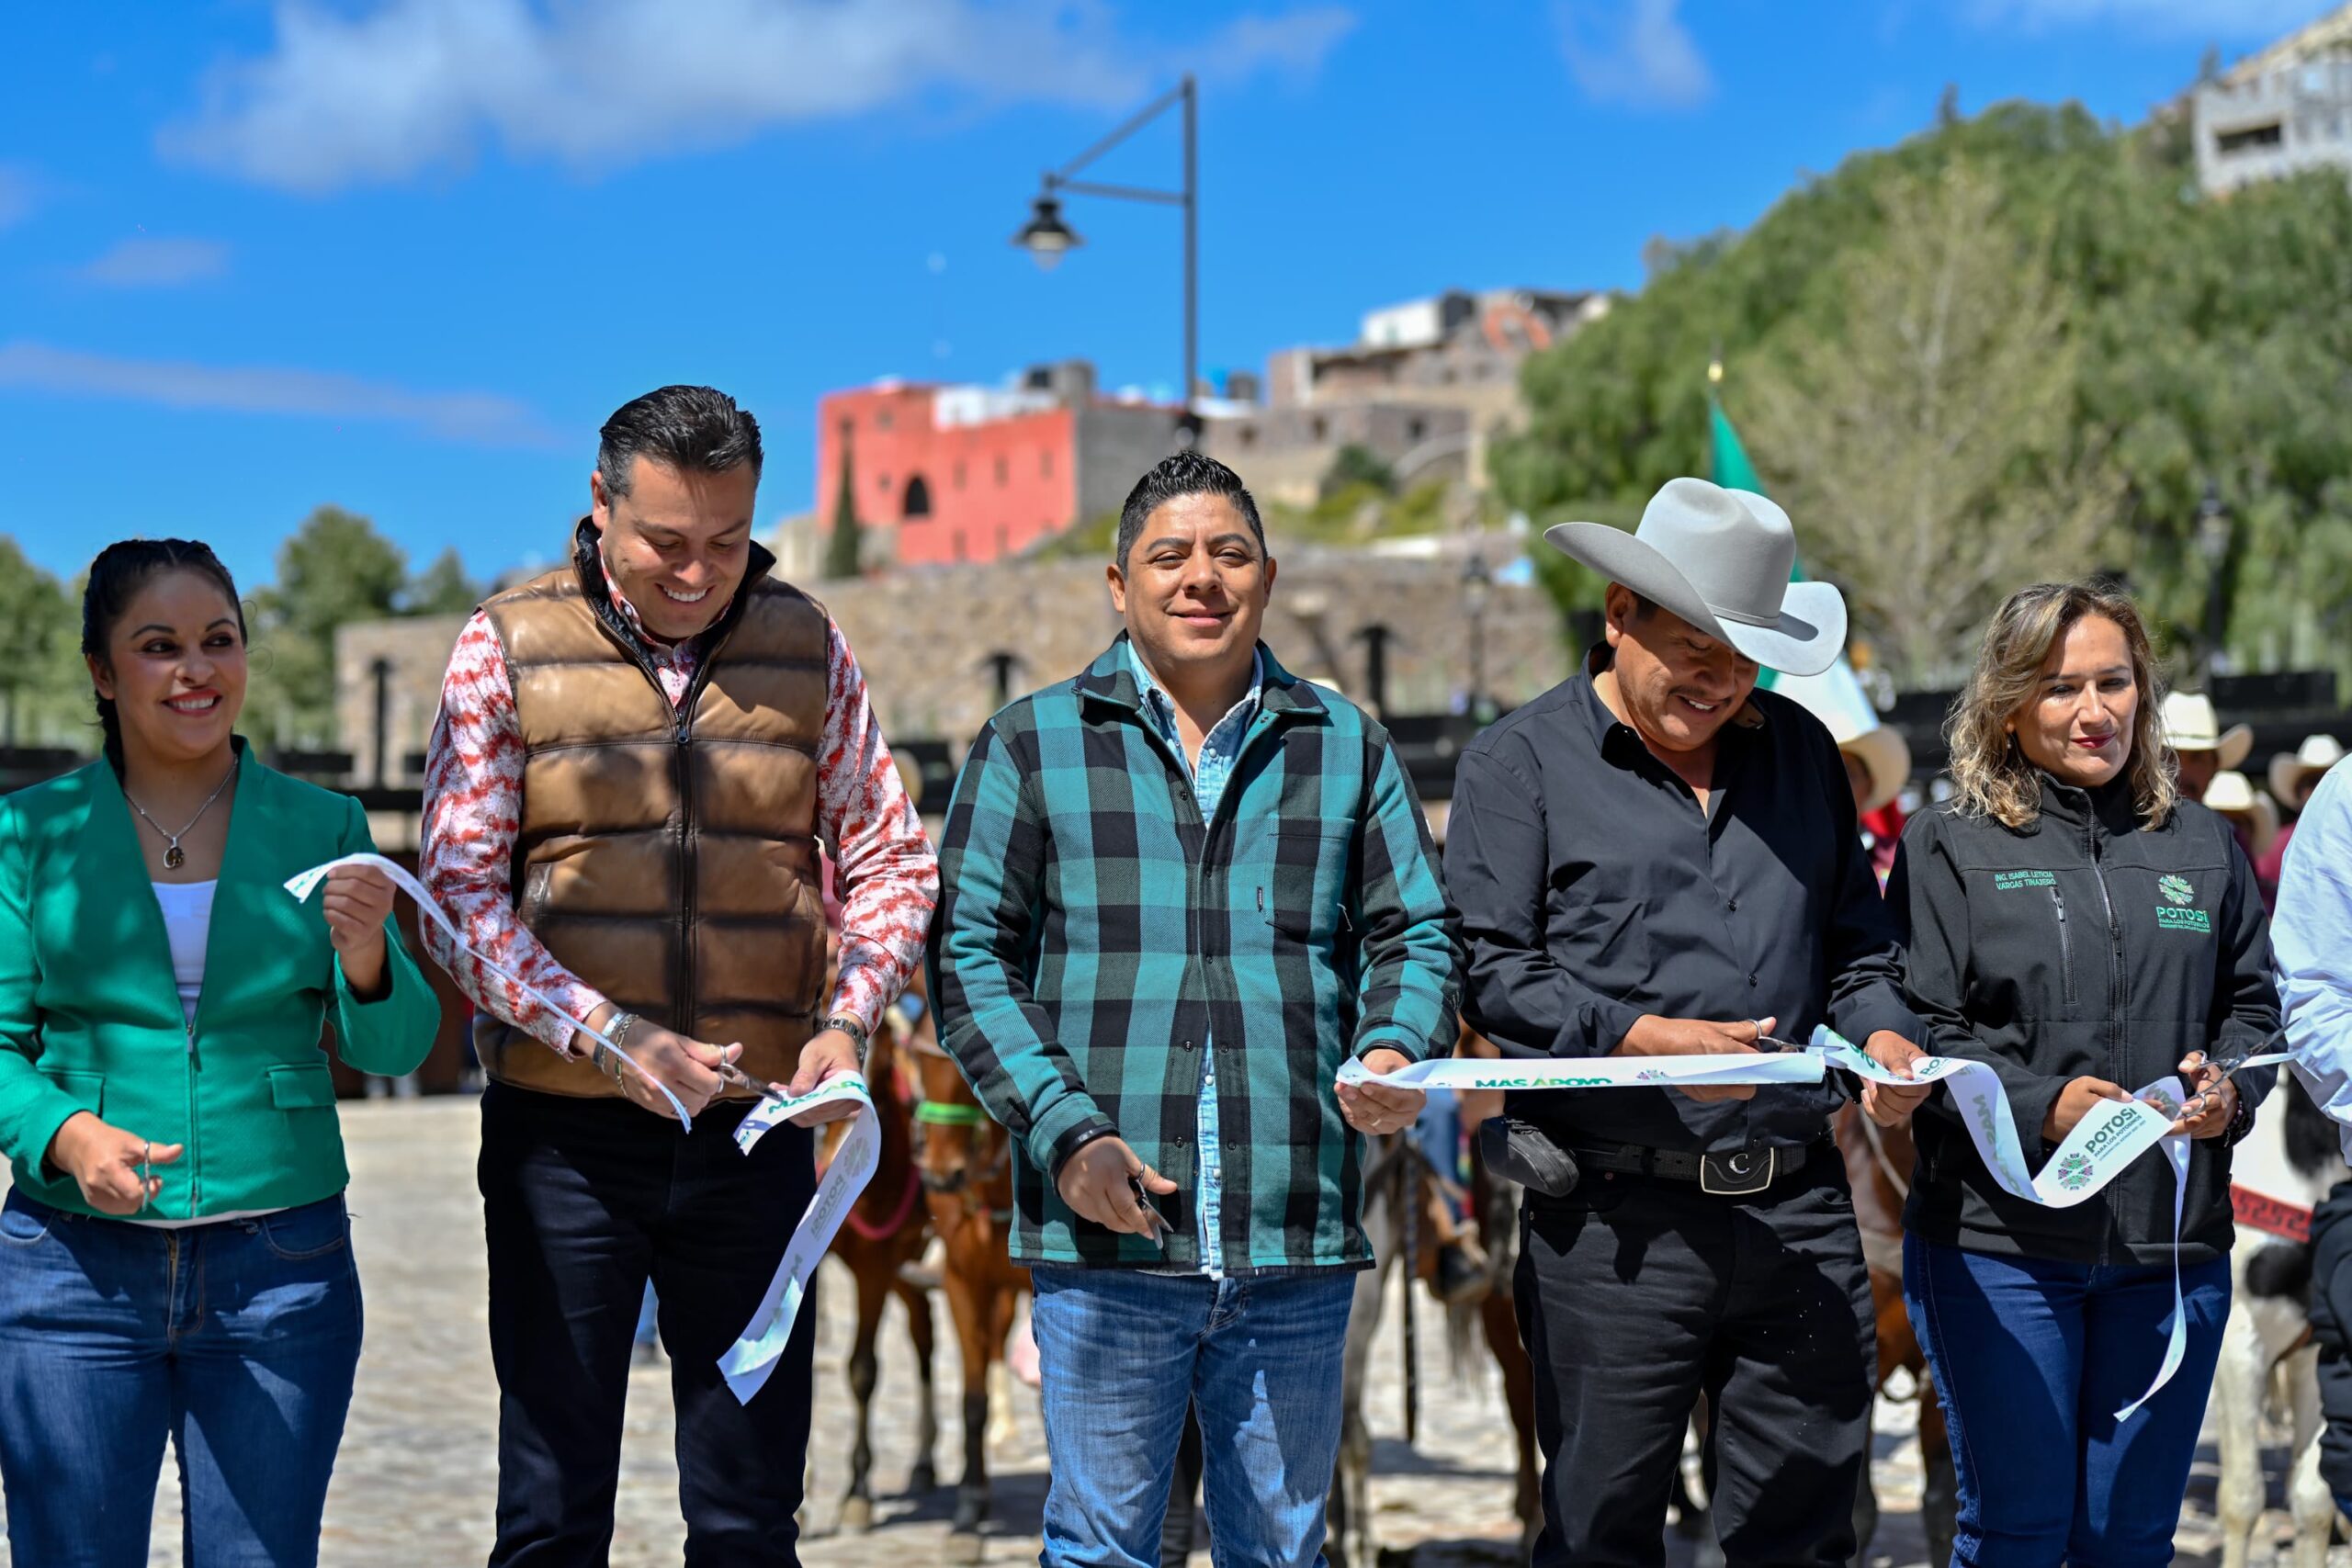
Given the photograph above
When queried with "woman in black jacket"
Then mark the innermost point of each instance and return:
(2075, 924)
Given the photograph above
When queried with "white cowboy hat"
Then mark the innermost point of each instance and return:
(1836, 699)
(2231, 794)
(1720, 559)
(1887, 756)
(2315, 755)
(2190, 725)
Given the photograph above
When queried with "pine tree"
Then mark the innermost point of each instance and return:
(841, 551)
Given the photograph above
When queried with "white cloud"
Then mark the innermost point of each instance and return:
(153, 262)
(1635, 52)
(478, 418)
(407, 87)
(17, 195)
(2249, 19)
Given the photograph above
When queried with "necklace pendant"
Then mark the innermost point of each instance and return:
(174, 856)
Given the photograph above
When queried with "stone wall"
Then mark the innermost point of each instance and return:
(928, 638)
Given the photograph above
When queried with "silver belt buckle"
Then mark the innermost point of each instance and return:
(1739, 1173)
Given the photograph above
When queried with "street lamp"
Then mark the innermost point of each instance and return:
(2213, 532)
(1476, 583)
(1047, 238)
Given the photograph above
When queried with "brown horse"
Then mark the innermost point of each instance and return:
(1877, 1167)
(1401, 1206)
(884, 1231)
(965, 1161)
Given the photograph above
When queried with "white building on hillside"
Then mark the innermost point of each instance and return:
(2280, 111)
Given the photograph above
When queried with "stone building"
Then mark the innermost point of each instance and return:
(2279, 112)
(1425, 387)
(943, 647)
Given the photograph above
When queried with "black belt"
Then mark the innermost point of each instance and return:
(1732, 1175)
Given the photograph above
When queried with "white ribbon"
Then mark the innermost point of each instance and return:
(2109, 1137)
(302, 886)
(754, 1355)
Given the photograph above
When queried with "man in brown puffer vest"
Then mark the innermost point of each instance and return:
(637, 758)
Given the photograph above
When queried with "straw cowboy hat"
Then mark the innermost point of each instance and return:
(1719, 558)
(1836, 699)
(2290, 770)
(2234, 797)
(2190, 725)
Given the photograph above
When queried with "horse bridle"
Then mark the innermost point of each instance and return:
(948, 1113)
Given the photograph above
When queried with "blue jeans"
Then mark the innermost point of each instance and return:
(2033, 1359)
(237, 1340)
(1121, 1354)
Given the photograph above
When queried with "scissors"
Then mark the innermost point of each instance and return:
(1159, 1221)
(728, 1073)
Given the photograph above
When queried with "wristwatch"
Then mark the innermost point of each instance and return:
(854, 1029)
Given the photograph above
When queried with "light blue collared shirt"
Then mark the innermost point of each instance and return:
(2310, 938)
(1220, 748)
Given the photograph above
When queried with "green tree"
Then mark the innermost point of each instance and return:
(2207, 341)
(442, 589)
(38, 624)
(1354, 466)
(840, 547)
(1931, 449)
(336, 568)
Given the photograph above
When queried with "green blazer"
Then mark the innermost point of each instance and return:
(90, 1015)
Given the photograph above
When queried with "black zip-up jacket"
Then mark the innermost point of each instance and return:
(2086, 945)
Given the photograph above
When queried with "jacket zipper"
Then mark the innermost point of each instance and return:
(195, 1143)
(688, 852)
(616, 627)
(2065, 948)
(2114, 997)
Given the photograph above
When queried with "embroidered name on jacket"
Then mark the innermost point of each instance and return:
(2177, 912)
(2011, 881)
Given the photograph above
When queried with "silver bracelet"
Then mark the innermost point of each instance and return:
(616, 1030)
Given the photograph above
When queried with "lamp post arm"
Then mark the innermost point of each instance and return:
(1135, 122)
(1120, 193)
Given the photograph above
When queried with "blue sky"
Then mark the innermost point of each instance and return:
(403, 255)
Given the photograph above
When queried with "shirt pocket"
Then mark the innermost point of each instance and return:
(1301, 893)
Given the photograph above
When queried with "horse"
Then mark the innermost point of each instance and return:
(966, 1165)
(2278, 1176)
(1878, 1161)
(884, 1231)
(1400, 1206)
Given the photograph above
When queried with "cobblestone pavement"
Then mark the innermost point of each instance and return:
(414, 1487)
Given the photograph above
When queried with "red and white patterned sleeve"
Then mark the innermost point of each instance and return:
(884, 870)
(473, 797)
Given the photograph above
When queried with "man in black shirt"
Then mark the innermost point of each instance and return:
(1657, 859)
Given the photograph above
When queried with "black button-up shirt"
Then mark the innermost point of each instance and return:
(1593, 890)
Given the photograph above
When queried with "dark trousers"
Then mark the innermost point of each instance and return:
(584, 1200)
(2331, 1325)
(1636, 1297)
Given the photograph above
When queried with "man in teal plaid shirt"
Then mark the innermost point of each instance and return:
(1178, 892)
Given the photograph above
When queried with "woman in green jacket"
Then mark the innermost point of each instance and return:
(174, 1256)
